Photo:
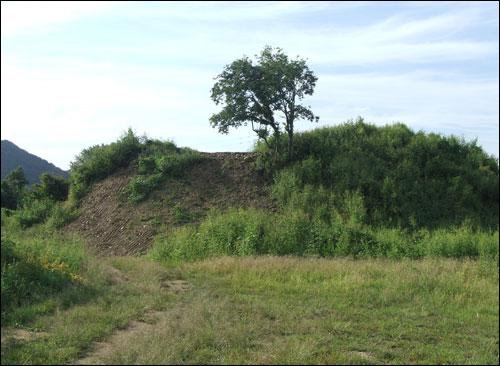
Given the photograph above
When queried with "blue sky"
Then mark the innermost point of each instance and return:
(77, 74)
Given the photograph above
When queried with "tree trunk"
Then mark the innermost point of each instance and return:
(290, 143)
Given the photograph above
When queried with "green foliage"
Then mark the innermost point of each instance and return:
(61, 214)
(14, 189)
(34, 211)
(44, 205)
(141, 186)
(181, 215)
(158, 162)
(254, 93)
(54, 188)
(16, 178)
(34, 270)
(98, 162)
(295, 232)
(405, 179)
(238, 232)
(38, 205)
(10, 195)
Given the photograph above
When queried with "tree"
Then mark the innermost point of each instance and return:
(53, 188)
(254, 93)
(13, 188)
(16, 178)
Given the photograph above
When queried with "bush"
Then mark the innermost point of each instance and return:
(34, 211)
(461, 242)
(53, 188)
(61, 214)
(406, 179)
(158, 162)
(14, 189)
(98, 162)
(139, 187)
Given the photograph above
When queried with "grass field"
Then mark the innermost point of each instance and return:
(269, 310)
(372, 245)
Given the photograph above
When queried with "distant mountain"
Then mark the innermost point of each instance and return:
(33, 166)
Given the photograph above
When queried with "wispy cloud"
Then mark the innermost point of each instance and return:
(21, 16)
(151, 65)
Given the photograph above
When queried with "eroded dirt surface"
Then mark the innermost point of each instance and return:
(112, 225)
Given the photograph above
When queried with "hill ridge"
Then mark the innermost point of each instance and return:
(33, 166)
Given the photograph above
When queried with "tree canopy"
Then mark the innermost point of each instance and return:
(54, 188)
(260, 93)
(13, 188)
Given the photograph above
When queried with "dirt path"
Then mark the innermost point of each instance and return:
(135, 330)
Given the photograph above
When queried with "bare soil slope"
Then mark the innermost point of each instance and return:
(112, 225)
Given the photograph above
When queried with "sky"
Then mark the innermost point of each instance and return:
(78, 74)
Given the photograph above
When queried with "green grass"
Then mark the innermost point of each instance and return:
(239, 232)
(41, 271)
(275, 310)
(118, 291)
(287, 310)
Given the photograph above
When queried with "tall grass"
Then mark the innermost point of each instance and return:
(41, 270)
(294, 232)
(406, 178)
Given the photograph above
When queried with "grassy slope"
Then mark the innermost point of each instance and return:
(277, 310)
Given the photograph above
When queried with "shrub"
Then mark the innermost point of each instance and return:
(140, 186)
(34, 211)
(61, 214)
(406, 179)
(158, 162)
(14, 189)
(53, 188)
(98, 162)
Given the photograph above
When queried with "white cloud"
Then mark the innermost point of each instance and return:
(19, 16)
(237, 11)
(78, 101)
(400, 38)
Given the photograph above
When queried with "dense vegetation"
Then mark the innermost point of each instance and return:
(157, 161)
(14, 188)
(351, 191)
(361, 190)
(37, 271)
(405, 179)
(97, 162)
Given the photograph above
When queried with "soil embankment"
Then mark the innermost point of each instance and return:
(112, 225)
